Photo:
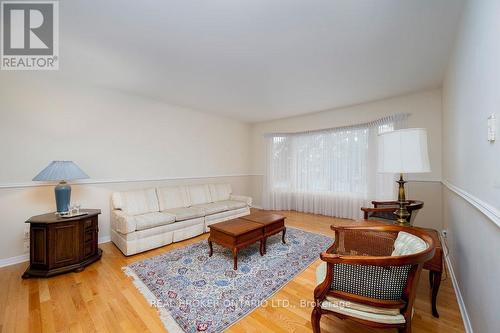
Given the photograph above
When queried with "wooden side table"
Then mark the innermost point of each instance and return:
(435, 265)
(59, 245)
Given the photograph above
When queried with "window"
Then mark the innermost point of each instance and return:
(330, 165)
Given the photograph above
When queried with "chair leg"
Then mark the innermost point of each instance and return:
(406, 329)
(315, 319)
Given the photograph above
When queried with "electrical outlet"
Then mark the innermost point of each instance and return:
(26, 245)
(27, 232)
(445, 233)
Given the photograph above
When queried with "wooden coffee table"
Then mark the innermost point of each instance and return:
(272, 224)
(235, 235)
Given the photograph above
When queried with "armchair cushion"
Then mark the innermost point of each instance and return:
(406, 244)
(353, 311)
(339, 302)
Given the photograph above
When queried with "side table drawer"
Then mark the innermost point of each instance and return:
(89, 235)
(88, 249)
(88, 224)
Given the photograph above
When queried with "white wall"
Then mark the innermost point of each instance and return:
(111, 136)
(472, 164)
(425, 110)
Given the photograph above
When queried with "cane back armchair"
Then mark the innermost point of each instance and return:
(370, 275)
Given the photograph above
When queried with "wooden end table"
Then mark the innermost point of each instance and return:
(235, 235)
(59, 245)
(435, 267)
(272, 224)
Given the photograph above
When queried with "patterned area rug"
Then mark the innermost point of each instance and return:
(198, 293)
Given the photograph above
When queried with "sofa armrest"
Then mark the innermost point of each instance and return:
(122, 222)
(247, 200)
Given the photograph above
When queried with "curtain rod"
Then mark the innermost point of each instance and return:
(394, 117)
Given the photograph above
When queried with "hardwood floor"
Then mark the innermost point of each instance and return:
(103, 299)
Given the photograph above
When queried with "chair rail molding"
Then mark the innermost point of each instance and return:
(125, 180)
(489, 211)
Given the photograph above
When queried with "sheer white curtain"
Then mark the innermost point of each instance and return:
(329, 172)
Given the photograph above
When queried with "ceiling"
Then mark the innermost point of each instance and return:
(257, 60)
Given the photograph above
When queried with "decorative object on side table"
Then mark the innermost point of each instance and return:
(403, 151)
(61, 171)
(59, 245)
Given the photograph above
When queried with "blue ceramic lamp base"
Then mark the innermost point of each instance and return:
(63, 196)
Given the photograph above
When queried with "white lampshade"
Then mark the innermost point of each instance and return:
(403, 151)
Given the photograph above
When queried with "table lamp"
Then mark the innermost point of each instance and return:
(61, 171)
(403, 151)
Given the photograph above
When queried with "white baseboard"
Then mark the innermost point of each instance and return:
(460, 300)
(104, 239)
(26, 256)
(14, 260)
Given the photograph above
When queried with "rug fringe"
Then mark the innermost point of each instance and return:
(165, 316)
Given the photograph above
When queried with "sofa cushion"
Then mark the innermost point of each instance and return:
(212, 208)
(407, 244)
(185, 213)
(199, 194)
(172, 197)
(136, 202)
(139, 234)
(151, 220)
(233, 204)
(220, 192)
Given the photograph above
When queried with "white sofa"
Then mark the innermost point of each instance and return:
(146, 219)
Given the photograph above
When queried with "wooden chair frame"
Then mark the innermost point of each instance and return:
(413, 205)
(405, 304)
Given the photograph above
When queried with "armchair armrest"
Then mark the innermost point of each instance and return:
(122, 222)
(244, 198)
(384, 260)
